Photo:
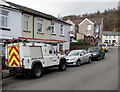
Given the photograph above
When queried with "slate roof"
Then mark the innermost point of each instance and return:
(36, 13)
(77, 21)
(109, 33)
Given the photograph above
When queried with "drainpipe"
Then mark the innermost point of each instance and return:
(33, 28)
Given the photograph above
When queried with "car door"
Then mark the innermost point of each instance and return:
(86, 55)
(100, 52)
(82, 56)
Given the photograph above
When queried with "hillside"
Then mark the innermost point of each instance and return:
(111, 18)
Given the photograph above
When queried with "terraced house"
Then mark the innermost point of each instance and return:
(61, 31)
(10, 25)
(10, 21)
(38, 25)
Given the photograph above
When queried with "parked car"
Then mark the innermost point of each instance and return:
(97, 53)
(77, 57)
(103, 46)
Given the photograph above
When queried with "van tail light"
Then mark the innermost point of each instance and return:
(6, 62)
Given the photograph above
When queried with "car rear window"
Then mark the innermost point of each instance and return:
(102, 45)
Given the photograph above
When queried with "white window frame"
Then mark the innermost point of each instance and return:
(89, 27)
(53, 28)
(106, 36)
(40, 22)
(61, 29)
(26, 19)
(5, 16)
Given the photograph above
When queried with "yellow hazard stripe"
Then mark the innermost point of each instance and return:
(12, 61)
(13, 58)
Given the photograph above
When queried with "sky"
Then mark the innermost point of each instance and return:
(67, 7)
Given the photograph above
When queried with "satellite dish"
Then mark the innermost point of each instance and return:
(49, 28)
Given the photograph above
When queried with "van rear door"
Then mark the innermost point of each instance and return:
(13, 55)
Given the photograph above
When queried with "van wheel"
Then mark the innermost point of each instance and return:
(37, 71)
(62, 66)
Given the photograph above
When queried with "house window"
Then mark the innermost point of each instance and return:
(109, 41)
(89, 27)
(4, 18)
(39, 25)
(62, 30)
(53, 28)
(113, 41)
(97, 29)
(26, 23)
(60, 47)
(106, 36)
(106, 40)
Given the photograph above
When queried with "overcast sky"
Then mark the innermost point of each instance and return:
(67, 7)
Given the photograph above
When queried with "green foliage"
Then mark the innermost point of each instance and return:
(80, 45)
(111, 18)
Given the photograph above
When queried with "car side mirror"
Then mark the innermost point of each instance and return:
(50, 52)
(54, 52)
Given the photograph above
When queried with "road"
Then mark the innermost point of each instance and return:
(99, 75)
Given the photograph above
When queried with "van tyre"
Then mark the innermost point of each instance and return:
(37, 71)
(62, 66)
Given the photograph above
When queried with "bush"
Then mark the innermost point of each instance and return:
(80, 45)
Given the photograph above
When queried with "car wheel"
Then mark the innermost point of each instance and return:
(89, 60)
(37, 71)
(103, 57)
(78, 63)
(62, 66)
(98, 58)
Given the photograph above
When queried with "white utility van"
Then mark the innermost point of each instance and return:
(31, 58)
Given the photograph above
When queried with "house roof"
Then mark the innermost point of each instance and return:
(36, 13)
(109, 33)
(77, 21)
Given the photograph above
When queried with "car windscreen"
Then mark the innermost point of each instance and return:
(102, 45)
(73, 53)
(93, 50)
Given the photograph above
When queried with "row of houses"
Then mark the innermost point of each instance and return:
(19, 21)
(91, 27)
(82, 27)
(111, 37)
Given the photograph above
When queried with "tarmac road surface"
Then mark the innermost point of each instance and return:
(99, 75)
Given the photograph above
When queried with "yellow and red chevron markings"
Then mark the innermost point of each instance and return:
(14, 57)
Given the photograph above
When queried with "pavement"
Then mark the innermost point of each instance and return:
(5, 73)
(99, 75)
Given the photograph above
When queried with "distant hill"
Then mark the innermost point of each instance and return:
(111, 18)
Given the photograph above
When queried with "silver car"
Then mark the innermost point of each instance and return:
(77, 57)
